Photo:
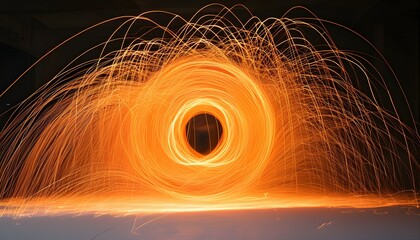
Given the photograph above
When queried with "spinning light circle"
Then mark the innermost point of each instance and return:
(177, 93)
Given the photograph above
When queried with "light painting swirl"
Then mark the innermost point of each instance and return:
(111, 135)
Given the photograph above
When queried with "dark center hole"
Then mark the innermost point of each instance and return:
(203, 132)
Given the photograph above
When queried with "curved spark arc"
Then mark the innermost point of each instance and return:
(297, 132)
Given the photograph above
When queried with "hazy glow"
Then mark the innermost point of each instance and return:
(296, 130)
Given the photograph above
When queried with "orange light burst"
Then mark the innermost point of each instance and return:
(294, 129)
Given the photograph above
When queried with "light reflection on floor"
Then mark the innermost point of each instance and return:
(287, 223)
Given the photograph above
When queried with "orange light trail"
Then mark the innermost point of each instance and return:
(296, 129)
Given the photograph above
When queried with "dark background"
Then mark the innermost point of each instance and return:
(29, 29)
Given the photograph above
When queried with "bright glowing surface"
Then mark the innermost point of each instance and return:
(387, 223)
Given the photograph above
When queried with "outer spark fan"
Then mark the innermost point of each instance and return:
(292, 128)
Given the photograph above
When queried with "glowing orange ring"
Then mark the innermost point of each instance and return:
(181, 90)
